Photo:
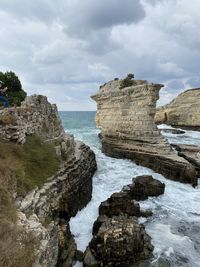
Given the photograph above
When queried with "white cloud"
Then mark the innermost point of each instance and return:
(66, 49)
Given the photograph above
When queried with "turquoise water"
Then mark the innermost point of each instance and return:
(175, 225)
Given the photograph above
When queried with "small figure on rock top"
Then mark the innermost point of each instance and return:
(3, 98)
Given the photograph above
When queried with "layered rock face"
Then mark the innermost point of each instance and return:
(118, 238)
(126, 119)
(35, 116)
(183, 111)
(45, 211)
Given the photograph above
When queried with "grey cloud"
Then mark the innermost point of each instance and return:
(84, 16)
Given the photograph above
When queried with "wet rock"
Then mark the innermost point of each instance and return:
(191, 154)
(145, 186)
(126, 119)
(118, 238)
(119, 203)
(173, 131)
(120, 241)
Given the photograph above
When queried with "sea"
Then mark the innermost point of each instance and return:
(175, 224)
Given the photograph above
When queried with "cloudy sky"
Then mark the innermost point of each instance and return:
(65, 49)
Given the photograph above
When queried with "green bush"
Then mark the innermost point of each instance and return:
(128, 81)
(15, 93)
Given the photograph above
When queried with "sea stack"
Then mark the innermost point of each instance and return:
(183, 111)
(125, 115)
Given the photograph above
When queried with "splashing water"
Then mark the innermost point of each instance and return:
(175, 225)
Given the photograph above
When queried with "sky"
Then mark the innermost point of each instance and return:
(65, 49)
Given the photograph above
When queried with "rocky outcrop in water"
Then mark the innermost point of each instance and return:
(191, 154)
(118, 238)
(183, 111)
(46, 210)
(126, 119)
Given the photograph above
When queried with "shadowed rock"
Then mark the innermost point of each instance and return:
(118, 238)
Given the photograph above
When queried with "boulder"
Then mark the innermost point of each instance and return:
(145, 186)
(120, 241)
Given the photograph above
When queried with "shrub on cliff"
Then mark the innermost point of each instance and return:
(15, 93)
(128, 81)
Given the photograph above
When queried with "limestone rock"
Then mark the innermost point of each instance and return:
(118, 239)
(126, 119)
(191, 153)
(35, 116)
(119, 203)
(173, 131)
(46, 211)
(183, 111)
(120, 242)
(145, 186)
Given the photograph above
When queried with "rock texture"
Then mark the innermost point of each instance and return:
(126, 119)
(118, 238)
(183, 111)
(35, 116)
(46, 211)
(190, 153)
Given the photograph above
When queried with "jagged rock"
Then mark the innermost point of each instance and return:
(120, 241)
(63, 194)
(119, 203)
(35, 116)
(191, 154)
(126, 119)
(145, 186)
(173, 131)
(183, 111)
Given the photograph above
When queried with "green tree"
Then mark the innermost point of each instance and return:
(128, 81)
(15, 93)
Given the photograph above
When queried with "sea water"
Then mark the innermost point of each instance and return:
(175, 225)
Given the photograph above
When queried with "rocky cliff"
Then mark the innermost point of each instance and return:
(126, 119)
(45, 211)
(183, 111)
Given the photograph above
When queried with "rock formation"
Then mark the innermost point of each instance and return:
(45, 211)
(191, 154)
(126, 119)
(118, 238)
(183, 111)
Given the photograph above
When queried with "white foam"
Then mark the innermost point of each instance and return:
(179, 204)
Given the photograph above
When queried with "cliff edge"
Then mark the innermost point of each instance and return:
(126, 119)
(46, 177)
(183, 111)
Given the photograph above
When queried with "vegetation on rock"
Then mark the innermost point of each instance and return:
(128, 81)
(15, 93)
(21, 169)
(29, 163)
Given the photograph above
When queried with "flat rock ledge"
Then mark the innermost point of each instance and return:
(118, 238)
(126, 119)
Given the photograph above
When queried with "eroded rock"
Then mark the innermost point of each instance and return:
(126, 119)
(183, 111)
(118, 238)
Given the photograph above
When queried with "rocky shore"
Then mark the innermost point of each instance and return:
(118, 238)
(45, 211)
(126, 119)
(182, 112)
